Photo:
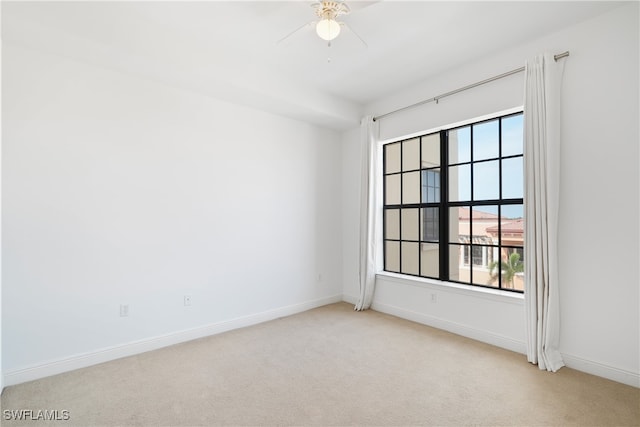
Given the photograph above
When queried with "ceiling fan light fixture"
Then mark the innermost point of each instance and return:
(328, 29)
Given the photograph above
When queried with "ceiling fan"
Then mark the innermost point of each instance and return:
(327, 26)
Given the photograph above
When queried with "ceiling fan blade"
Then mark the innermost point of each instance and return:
(308, 24)
(359, 5)
(356, 34)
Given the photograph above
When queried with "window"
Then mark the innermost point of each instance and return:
(453, 204)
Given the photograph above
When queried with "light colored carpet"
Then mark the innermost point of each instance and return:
(328, 366)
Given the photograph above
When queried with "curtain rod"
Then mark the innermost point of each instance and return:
(472, 85)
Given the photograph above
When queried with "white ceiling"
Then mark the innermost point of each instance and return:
(229, 49)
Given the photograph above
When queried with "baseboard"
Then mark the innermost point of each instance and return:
(116, 352)
(600, 370)
(350, 299)
(573, 362)
(453, 327)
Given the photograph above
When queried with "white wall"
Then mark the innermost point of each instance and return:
(1, 370)
(121, 190)
(598, 240)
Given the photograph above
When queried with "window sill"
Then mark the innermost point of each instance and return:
(451, 287)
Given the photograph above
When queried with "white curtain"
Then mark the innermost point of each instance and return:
(542, 169)
(369, 195)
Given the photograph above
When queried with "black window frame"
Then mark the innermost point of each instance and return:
(444, 205)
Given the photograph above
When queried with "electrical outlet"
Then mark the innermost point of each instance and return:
(187, 300)
(434, 298)
(124, 310)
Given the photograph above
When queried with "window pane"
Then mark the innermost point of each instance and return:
(431, 186)
(459, 269)
(459, 225)
(485, 141)
(512, 266)
(484, 224)
(430, 224)
(459, 145)
(410, 188)
(409, 224)
(392, 157)
(486, 180)
(431, 150)
(512, 178)
(481, 257)
(429, 260)
(459, 183)
(476, 255)
(512, 226)
(512, 212)
(493, 266)
(512, 135)
(411, 154)
(392, 224)
(392, 190)
(410, 258)
(392, 256)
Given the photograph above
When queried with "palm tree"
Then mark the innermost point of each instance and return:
(509, 268)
